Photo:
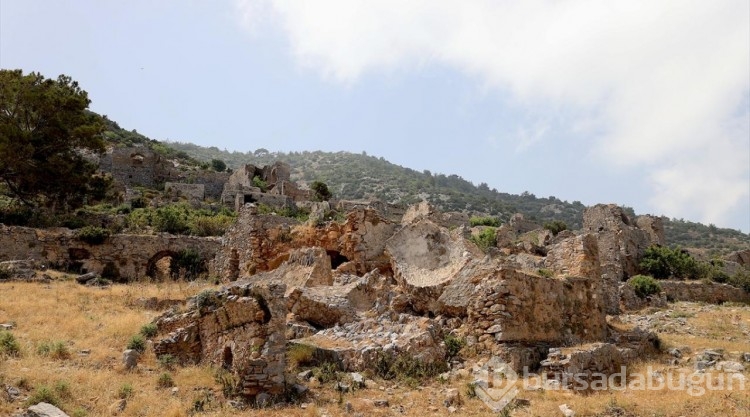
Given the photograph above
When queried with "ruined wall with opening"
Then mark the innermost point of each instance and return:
(239, 328)
(128, 257)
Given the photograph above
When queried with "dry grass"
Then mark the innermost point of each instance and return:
(103, 320)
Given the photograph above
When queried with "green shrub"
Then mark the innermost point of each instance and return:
(210, 225)
(165, 381)
(546, 273)
(484, 221)
(555, 226)
(644, 285)
(55, 350)
(320, 191)
(453, 345)
(258, 182)
(167, 361)
(326, 372)
(405, 367)
(741, 280)
(188, 263)
(137, 343)
(218, 165)
(125, 391)
(149, 330)
(44, 394)
(171, 219)
(662, 262)
(486, 239)
(8, 344)
(300, 355)
(93, 235)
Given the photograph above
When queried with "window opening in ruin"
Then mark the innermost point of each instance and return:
(336, 258)
(227, 357)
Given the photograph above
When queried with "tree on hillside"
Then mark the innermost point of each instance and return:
(45, 131)
(218, 165)
(320, 191)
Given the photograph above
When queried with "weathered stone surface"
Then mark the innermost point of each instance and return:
(425, 258)
(588, 363)
(629, 301)
(130, 358)
(707, 292)
(524, 308)
(257, 243)
(326, 306)
(741, 257)
(190, 191)
(425, 211)
(621, 246)
(654, 226)
(240, 328)
(45, 410)
(131, 256)
(23, 270)
(577, 256)
(356, 346)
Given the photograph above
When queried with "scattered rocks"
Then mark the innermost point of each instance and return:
(567, 411)
(45, 410)
(381, 403)
(130, 358)
(451, 397)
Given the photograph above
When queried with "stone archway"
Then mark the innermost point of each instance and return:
(158, 266)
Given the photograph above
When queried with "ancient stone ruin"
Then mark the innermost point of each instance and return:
(368, 288)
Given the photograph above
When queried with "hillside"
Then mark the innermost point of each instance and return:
(360, 176)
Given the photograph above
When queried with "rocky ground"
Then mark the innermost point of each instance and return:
(71, 338)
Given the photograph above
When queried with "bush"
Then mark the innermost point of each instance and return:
(125, 391)
(93, 235)
(55, 350)
(320, 191)
(484, 221)
(167, 361)
(210, 225)
(453, 345)
(165, 381)
(662, 262)
(44, 394)
(9, 345)
(486, 239)
(644, 285)
(137, 343)
(218, 165)
(258, 182)
(148, 330)
(741, 280)
(556, 226)
(300, 355)
(405, 367)
(187, 263)
(171, 219)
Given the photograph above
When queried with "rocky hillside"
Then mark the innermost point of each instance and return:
(360, 176)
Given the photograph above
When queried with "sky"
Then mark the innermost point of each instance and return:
(639, 103)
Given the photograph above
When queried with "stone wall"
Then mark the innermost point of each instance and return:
(256, 243)
(130, 256)
(707, 292)
(239, 328)
(191, 191)
(621, 245)
(512, 306)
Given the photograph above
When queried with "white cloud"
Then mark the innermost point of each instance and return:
(662, 82)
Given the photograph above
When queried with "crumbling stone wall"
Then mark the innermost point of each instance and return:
(513, 306)
(707, 292)
(190, 191)
(239, 328)
(258, 243)
(621, 246)
(129, 256)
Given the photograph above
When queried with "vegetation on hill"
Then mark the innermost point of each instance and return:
(359, 176)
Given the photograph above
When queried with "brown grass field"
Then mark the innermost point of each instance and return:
(100, 322)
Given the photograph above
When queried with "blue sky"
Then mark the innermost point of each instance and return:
(640, 103)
